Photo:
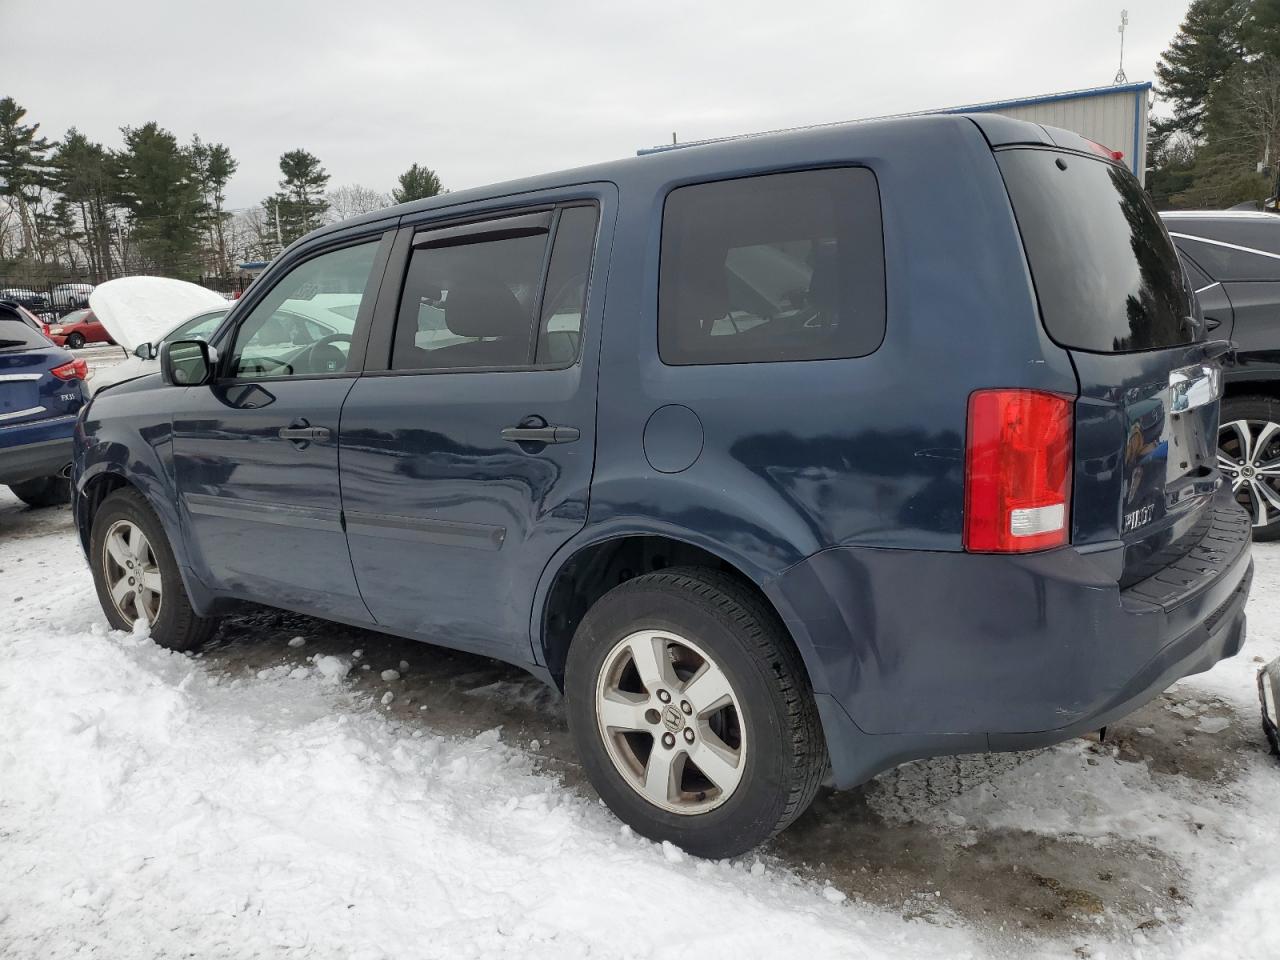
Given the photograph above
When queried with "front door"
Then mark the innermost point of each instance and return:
(467, 462)
(256, 453)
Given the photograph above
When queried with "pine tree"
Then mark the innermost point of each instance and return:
(83, 175)
(214, 167)
(300, 204)
(157, 184)
(23, 166)
(1209, 42)
(418, 183)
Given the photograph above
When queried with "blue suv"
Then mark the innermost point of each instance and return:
(42, 388)
(787, 458)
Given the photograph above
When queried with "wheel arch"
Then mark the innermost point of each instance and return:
(99, 480)
(588, 566)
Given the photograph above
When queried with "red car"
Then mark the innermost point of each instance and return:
(76, 329)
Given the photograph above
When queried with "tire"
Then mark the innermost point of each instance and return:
(43, 491)
(173, 622)
(772, 721)
(75, 341)
(1260, 416)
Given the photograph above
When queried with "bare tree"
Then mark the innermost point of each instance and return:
(251, 235)
(353, 200)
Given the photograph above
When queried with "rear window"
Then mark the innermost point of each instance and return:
(15, 334)
(1106, 274)
(786, 266)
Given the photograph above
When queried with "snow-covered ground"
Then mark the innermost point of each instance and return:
(262, 800)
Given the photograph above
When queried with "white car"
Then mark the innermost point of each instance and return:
(70, 296)
(145, 358)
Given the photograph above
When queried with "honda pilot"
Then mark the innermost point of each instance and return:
(787, 458)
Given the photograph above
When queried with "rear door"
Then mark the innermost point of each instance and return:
(1113, 293)
(467, 459)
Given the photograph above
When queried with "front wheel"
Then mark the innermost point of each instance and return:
(692, 712)
(75, 341)
(137, 576)
(1249, 455)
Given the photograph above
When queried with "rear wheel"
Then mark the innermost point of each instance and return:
(43, 491)
(1249, 456)
(137, 576)
(692, 712)
(75, 341)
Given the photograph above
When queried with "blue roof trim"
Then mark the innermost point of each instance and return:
(1085, 94)
(1137, 132)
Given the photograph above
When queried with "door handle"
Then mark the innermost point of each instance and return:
(537, 430)
(1212, 323)
(304, 432)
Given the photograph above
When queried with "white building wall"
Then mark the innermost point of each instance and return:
(1108, 118)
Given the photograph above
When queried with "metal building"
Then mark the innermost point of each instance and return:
(1115, 116)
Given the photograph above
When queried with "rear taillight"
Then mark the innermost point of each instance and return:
(77, 369)
(1017, 475)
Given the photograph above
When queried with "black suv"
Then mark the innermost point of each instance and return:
(1233, 259)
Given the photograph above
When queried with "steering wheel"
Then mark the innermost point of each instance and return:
(323, 357)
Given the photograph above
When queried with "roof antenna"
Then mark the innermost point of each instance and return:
(1124, 22)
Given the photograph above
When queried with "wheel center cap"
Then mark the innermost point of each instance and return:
(1247, 471)
(672, 718)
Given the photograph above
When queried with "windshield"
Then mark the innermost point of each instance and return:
(1106, 274)
(197, 328)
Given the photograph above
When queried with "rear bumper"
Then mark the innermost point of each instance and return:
(922, 654)
(33, 460)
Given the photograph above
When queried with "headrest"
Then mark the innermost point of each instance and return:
(702, 293)
(485, 310)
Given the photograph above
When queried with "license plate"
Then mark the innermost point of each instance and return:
(15, 397)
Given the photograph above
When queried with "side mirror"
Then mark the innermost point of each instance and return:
(187, 363)
(145, 351)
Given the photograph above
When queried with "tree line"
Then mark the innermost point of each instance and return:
(1221, 75)
(76, 209)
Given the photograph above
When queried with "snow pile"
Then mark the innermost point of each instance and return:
(151, 809)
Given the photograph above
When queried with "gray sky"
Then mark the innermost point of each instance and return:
(487, 90)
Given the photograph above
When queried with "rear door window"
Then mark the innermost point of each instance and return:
(1105, 272)
(502, 294)
(787, 266)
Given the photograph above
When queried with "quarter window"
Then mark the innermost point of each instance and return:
(304, 325)
(780, 267)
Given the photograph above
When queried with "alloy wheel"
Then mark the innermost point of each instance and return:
(1249, 455)
(671, 722)
(130, 568)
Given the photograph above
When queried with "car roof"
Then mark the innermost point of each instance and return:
(730, 154)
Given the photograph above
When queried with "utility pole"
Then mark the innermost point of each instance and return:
(1124, 22)
(279, 239)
